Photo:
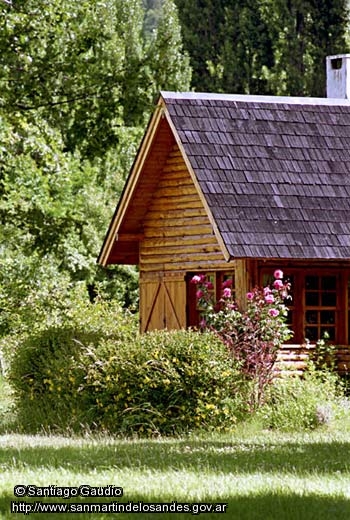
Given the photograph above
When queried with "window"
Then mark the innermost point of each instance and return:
(320, 307)
(216, 280)
(319, 303)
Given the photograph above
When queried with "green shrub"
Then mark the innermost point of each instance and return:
(295, 403)
(47, 371)
(164, 383)
(98, 372)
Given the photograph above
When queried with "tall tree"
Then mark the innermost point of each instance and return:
(78, 80)
(83, 66)
(246, 49)
(169, 61)
(306, 32)
(260, 47)
(202, 28)
(153, 13)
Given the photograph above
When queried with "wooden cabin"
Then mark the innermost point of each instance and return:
(236, 186)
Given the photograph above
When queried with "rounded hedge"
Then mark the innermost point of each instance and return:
(113, 379)
(47, 372)
(164, 383)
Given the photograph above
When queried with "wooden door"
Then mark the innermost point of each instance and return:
(162, 304)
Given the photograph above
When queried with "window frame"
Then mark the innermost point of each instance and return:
(299, 307)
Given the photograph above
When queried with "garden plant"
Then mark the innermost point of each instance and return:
(253, 333)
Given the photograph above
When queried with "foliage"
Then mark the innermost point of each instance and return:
(84, 67)
(169, 70)
(252, 335)
(306, 32)
(105, 376)
(78, 80)
(295, 403)
(324, 355)
(270, 47)
(46, 370)
(165, 383)
(153, 13)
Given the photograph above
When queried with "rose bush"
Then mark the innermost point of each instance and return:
(252, 334)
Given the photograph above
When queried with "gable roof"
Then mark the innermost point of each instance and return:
(273, 172)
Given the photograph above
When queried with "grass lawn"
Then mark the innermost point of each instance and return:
(260, 475)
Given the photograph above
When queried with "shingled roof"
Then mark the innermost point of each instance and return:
(275, 172)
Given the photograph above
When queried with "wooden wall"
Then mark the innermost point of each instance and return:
(177, 232)
(178, 238)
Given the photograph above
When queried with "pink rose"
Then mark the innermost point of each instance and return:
(250, 296)
(278, 284)
(199, 294)
(227, 283)
(278, 274)
(196, 279)
(209, 285)
(269, 298)
(227, 292)
(273, 313)
(267, 290)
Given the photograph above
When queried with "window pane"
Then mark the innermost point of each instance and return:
(329, 283)
(311, 317)
(311, 299)
(329, 299)
(327, 317)
(311, 333)
(321, 303)
(311, 282)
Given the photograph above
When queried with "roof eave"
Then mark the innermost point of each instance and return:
(130, 186)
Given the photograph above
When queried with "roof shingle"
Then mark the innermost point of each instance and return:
(275, 172)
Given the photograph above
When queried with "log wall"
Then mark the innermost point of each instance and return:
(178, 235)
(293, 359)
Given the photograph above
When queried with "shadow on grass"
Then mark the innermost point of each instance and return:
(195, 455)
(262, 507)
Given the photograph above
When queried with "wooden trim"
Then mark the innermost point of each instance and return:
(129, 237)
(153, 302)
(151, 277)
(217, 233)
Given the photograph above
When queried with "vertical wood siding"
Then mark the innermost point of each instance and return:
(162, 303)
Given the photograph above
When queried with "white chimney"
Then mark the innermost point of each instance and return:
(338, 76)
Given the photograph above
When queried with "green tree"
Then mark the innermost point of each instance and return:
(68, 62)
(169, 61)
(245, 51)
(153, 13)
(84, 67)
(308, 31)
(78, 83)
(262, 47)
(202, 22)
